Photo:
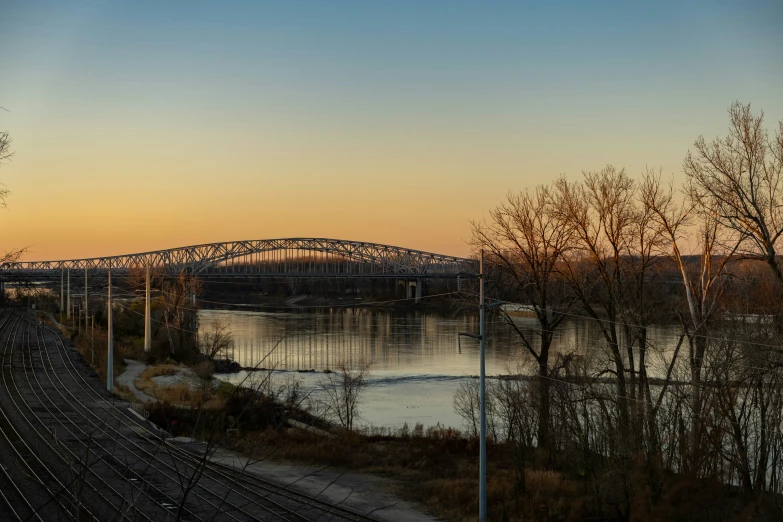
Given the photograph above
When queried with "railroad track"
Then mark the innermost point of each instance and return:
(161, 480)
(32, 473)
(248, 482)
(138, 496)
(182, 492)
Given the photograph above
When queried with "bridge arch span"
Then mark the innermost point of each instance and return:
(315, 257)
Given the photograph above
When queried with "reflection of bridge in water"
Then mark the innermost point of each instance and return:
(266, 258)
(407, 342)
(325, 339)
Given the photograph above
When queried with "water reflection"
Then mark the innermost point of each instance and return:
(408, 344)
(417, 363)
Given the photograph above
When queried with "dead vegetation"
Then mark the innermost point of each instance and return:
(436, 467)
(185, 393)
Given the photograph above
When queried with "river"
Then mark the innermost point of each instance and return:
(417, 359)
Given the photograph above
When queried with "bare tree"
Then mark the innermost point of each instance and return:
(467, 404)
(610, 272)
(136, 277)
(5, 149)
(5, 154)
(217, 342)
(179, 315)
(704, 279)
(342, 390)
(525, 238)
(739, 179)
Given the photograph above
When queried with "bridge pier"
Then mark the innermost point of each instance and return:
(414, 289)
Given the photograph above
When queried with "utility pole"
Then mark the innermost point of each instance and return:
(482, 396)
(148, 315)
(69, 295)
(483, 399)
(92, 340)
(62, 292)
(110, 358)
(86, 303)
(194, 315)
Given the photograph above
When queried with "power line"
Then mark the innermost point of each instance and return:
(621, 323)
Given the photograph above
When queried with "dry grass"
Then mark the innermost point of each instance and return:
(541, 482)
(436, 468)
(159, 370)
(176, 394)
(145, 382)
(124, 392)
(93, 351)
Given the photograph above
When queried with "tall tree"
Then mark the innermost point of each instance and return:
(5, 150)
(5, 154)
(740, 180)
(610, 272)
(703, 276)
(525, 238)
(179, 315)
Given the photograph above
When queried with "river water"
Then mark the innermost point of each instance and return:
(417, 360)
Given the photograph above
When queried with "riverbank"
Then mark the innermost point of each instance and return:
(438, 466)
(438, 469)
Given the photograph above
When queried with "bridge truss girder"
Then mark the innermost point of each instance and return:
(287, 257)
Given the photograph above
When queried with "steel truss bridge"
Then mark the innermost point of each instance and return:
(290, 257)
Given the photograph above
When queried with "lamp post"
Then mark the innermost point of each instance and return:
(482, 397)
(86, 301)
(110, 333)
(68, 309)
(147, 313)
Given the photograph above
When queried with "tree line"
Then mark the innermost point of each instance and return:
(629, 252)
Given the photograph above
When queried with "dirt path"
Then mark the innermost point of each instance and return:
(133, 370)
(360, 492)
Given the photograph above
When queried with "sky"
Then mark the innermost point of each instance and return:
(147, 125)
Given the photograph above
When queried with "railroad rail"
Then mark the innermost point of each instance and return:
(130, 467)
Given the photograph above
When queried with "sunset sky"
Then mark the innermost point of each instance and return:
(140, 126)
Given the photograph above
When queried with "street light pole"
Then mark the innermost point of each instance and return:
(68, 310)
(482, 395)
(147, 314)
(109, 331)
(86, 302)
(483, 399)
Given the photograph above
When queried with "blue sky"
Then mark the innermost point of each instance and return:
(362, 120)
